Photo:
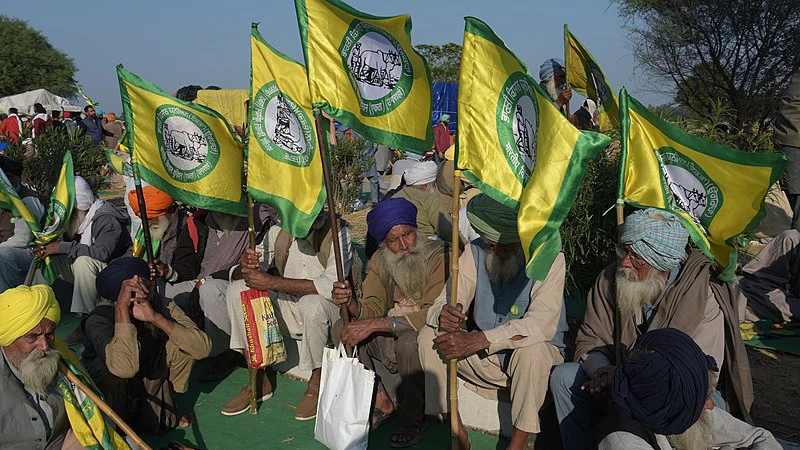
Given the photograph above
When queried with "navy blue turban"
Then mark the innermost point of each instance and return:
(387, 214)
(109, 280)
(663, 382)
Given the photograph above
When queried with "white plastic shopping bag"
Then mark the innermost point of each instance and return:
(345, 399)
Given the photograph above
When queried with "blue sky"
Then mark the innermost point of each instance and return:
(176, 43)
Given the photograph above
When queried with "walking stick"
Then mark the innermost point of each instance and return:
(102, 405)
(452, 365)
(337, 253)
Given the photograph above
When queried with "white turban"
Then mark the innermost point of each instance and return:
(421, 173)
(84, 197)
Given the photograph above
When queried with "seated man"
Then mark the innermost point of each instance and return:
(196, 274)
(654, 285)
(404, 277)
(515, 325)
(35, 411)
(15, 234)
(97, 233)
(163, 220)
(771, 281)
(139, 352)
(301, 296)
(661, 400)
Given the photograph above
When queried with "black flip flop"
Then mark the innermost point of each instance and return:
(412, 429)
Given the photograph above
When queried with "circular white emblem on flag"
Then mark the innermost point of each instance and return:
(688, 187)
(188, 148)
(517, 122)
(378, 67)
(57, 211)
(282, 128)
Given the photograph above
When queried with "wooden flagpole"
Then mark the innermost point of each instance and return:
(452, 365)
(566, 72)
(148, 244)
(102, 405)
(252, 371)
(326, 172)
(620, 207)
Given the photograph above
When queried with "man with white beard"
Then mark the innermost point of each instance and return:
(653, 285)
(553, 79)
(97, 233)
(661, 400)
(515, 326)
(38, 404)
(404, 277)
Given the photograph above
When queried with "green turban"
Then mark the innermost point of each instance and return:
(493, 220)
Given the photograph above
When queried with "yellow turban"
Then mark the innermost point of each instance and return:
(22, 308)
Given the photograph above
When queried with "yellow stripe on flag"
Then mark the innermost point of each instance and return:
(364, 72)
(284, 168)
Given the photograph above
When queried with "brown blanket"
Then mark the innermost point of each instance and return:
(682, 308)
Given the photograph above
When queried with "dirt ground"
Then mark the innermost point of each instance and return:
(777, 392)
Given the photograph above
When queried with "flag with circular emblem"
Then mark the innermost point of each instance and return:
(186, 150)
(586, 77)
(11, 201)
(59, 211)
(283, 162)
(516, 146)
(717, 192)
(364, 72)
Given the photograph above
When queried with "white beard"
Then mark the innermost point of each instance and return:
(409, 272)
(552, 90)
(697, 437)
(633, 294)
(38, 369)
(158, 228)
(78, 216)
(506, 268)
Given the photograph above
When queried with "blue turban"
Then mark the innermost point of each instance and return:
(387, 214)
(109, 280)
(657, 236)
(663, 382)
(549, 67)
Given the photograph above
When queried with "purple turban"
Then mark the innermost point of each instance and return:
(387, 214)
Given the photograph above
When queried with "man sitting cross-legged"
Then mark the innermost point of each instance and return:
(139, 351)
(404, 277)
(301, 296)
(653, 285)
(515, 325)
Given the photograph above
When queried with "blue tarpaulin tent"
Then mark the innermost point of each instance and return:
(445, 99)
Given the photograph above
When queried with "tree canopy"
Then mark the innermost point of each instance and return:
(739, 52)
(30, 62)
(444, 61)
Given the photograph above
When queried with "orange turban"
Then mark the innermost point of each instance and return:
(157, 201)
(111, 117)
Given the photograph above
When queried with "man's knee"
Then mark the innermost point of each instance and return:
(425, 337)
(566, 376)
(406, 344)
(85, 265)
(316, 309)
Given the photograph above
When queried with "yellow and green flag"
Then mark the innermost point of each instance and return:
(717, 192)
(186, 150)
(10, 200)
(117, 163)
(586, 77)
(364, 72)
(516, 145)
(59, 211)
(283, 162)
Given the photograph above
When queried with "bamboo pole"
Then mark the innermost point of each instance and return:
(452, 365)
(102, 405)
(252, 371)
(326, 171)
(566, 72)
(620, 207)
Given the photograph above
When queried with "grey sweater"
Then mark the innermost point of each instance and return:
(110, 238)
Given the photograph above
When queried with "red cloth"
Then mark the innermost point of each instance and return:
(441, 138)
(39, 125)
(9, 129)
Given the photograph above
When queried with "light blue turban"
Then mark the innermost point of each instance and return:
(549, 67)
(657, 236)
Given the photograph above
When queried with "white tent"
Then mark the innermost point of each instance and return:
(24, 102)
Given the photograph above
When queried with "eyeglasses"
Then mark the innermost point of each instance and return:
(627, 252)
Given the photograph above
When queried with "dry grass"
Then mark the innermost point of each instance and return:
(357, 223)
